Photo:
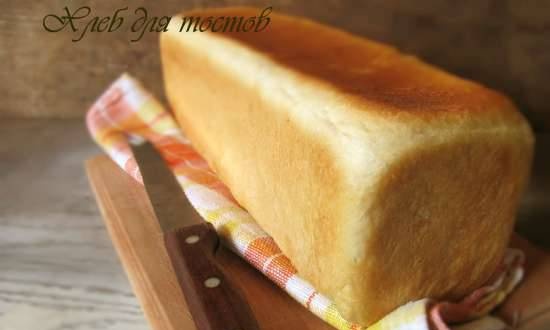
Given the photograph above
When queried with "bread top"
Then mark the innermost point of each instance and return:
(370, 76)
(364, 103)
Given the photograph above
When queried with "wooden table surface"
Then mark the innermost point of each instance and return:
(57, 263)
(58, 268)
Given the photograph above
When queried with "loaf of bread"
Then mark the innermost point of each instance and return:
(382, 178)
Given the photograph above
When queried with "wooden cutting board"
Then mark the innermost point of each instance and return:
(137, 238)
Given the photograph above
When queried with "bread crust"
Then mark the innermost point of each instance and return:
(382, 178)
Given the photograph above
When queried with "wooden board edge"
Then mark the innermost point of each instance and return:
(142, 287)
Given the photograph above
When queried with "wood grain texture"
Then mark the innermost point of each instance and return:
(504, 44)
(137, 236)
(123, 201)
(58, 269)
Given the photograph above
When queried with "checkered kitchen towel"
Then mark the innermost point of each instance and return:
(126, 112)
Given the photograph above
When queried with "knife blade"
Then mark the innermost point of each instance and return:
(213, 300)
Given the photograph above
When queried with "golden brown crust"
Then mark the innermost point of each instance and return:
(364, 70)
(366, 166)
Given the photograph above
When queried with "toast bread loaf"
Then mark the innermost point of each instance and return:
(382, 178)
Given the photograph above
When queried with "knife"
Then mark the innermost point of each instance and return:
(192, 245)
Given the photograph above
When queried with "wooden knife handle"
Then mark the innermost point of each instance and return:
(214, 302)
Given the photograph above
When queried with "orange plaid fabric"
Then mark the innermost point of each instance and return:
(127, 113)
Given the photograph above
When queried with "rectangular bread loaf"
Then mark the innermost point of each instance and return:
(382, 178)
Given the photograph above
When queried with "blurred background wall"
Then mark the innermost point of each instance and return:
(504, 44)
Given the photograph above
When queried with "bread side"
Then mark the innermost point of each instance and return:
(383, 179)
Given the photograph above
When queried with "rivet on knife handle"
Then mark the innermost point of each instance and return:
(211, 298)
